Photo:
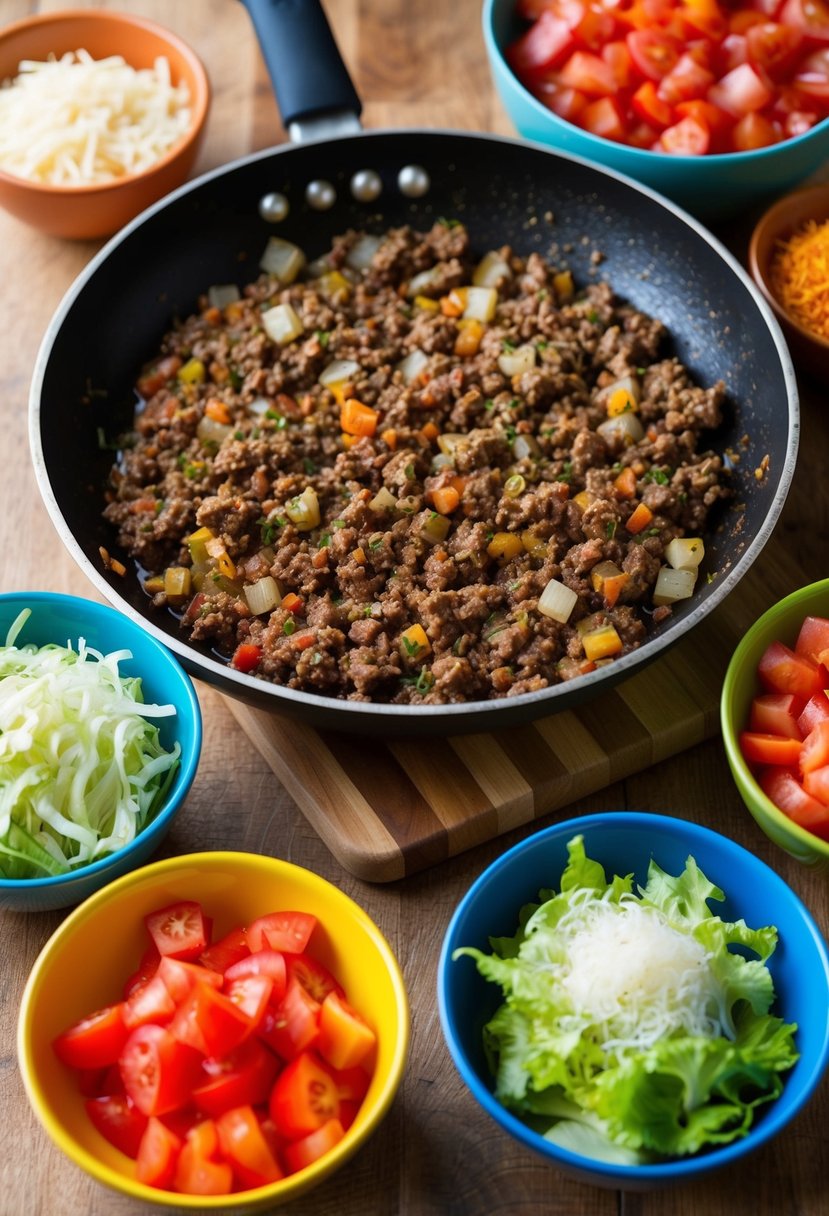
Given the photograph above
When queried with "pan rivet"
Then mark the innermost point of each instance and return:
(274, 207)
(366, 186)
(320, 195)
(413, 181)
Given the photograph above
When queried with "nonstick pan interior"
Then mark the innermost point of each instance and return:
(506, 192)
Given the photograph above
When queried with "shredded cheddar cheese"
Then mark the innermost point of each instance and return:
(77, 120)
(800, 276)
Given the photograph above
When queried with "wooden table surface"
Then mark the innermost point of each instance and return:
(436, 1154)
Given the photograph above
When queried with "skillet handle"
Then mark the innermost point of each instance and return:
(303, 60)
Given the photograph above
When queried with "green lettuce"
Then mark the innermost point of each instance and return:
(580, 1078)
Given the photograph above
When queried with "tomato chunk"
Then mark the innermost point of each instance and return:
(769, 749)
(781, 670)
(270, 963)
(210, 1022)
(314, 978)
(242, 1077)
(158, 1071)
(777, 713)
(94, 1041)
(814, 752)
(813, 638)
(292, 1025)
(157, 1156)
(288, 932)
(345, 1037)
(178, 930)
(304, 1097)
(785, 791)
(301, 1153)
(243, 1144)
(227, 951)
(119, 1121)
(816, 710)
(198, 1171)
(149, 1003)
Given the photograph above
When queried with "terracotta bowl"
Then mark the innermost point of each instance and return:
(99, 210)
(810, 351)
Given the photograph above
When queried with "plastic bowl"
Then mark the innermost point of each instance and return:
(63, 619)
(780, 623)
(233, 888)
(99, 210)
(779, 222)
(624, 842)
(709, 186)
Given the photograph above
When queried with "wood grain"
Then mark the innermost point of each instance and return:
(435, 1154)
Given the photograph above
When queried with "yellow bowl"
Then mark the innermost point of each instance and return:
(84, 964)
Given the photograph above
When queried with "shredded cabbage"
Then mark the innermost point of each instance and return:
(630, 1031)
(82, 770)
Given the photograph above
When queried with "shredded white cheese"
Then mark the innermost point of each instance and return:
(628, 971)
(78, 120)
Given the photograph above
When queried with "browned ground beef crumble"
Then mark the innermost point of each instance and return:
(367, 573)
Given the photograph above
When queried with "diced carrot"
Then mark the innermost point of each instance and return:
(469, 338)
(142, 506)
(348, 440)
(612, 587)
(446, 499)
(320, 558)
(620, 402)
(356, 418)
(293, 603)
(639, 518)
(452, 305)
(212, 315)
(429, 432)
(389, 437)
(359, 555)
(304, 639)
(217, 410)
(625, 483)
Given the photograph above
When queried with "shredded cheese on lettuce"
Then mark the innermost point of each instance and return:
(82, 768)
(629, 1027)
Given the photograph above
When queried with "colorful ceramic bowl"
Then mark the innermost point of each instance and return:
(233, 888)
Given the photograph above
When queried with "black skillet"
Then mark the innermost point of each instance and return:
(505, 191)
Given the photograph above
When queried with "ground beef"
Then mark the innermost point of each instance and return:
(397, 551)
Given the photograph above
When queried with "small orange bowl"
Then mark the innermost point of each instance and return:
(810, 350)
(99, 209)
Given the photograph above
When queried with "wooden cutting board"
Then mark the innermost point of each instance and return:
(388, 808)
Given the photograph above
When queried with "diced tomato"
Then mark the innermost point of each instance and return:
(617, 56)
(740, 91)
(145, 970)
(292, 1025)
(352, 1083)
(198, 1171)
(654, 53)
(95, 1041)
(688, 137)
(567, 103)
(157, 1070)
(314, 978)
(733, 50)
(811, 17)
(785, 791)
(773, 47)
(245, 1147)
(596, 27)
(687, 80)
(706, 17)
(812, 79)
(251, 993)
(816, 783)
(181, 978)
(345, 1037)
(589, 74)
(742, 20)
(348, 1112)
(769, 749)
(210, 1022)
(301, 1153)
(814, 752)
(781, 670)
(158, 1153)
(544, 46)
(243, 1076)
(777, 713)
(816, 710)
(813, 638)
(119, 1121)
(100, 1082)
(288, 932)
(149, 1003)
(304, 1097)
(798, 122)
(225, 952)
(246, 657)
(262, 962)
(755, 131)
(604, 117)
(178, 930)
(647, 103)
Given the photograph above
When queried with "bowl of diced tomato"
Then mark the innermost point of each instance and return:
(712, 104)
(774, 713)
(216, 1032)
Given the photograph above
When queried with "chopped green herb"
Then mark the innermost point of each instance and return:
(411, 647)
(511, 433)
(309, 466)
(236, 378)
(289, 627)
(322, 337)
(338, 523)
(566, 473)
(325, 540)
(610, 530)
(541, 346)
(489, 404)
(159, 506)
(593, 316)
(448, 223)
(508, 346)
(375, 544)
(238, 434)
(280, 419)
(267, 529)
(658, 475)
(542, 294)
(409, 471)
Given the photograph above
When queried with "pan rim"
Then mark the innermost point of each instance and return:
(468, 714)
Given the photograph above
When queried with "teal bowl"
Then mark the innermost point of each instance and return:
(709, 186)
(624, 843)
(780, 623)
(63, 619)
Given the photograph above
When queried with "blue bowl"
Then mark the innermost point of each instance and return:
(624, 843)
(63, 619)
(709, 186)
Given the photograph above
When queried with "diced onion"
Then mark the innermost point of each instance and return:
(258, 407)
(282, 324)
(481, 303)
(304, 510)
(491, 270)
(222, 295)
(383, 500)
(525, 447)
(263, 595)
(515, 362)
(557, 601)
(626, 427)
(209, 430)
(360, 255)
(449, 440)
(413, 364)
(423, 281)
(338, 372)
(436, 528)
(673, 585)
(282, 259)
(685, 553)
